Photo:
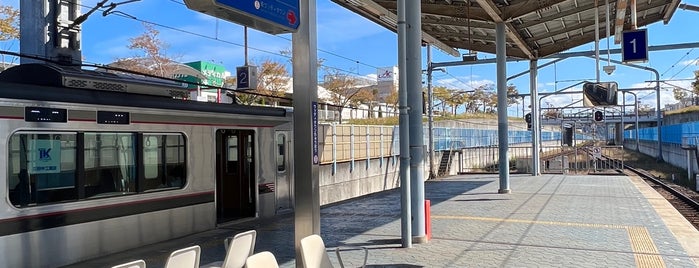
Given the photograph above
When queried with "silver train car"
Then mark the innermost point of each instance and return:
(96, 163)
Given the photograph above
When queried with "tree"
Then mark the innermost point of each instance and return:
(152, 60)
(272, 80)
(512, 93)
(365, 95)
(490, 102)
(9, 23)
(679, 94)
(480, 97)
(392, 99)
(240, 96)
(695, 84)
(442, 95)
(343, 88)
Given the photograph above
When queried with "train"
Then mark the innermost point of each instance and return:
(99, 162)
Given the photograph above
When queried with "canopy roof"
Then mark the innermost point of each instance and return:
(535, 28)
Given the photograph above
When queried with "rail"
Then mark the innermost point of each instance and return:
(644, 174)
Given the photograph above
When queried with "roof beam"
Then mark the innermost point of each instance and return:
(620, 19)
(374, 12)
(559, 15)
(519, 9)
(511, 52)
(578, 26)
(588, 37)
(519, 41)
(459, 22)
(496, 15)
(453, 10)
(670, 10)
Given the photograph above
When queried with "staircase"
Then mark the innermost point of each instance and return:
(445, 163)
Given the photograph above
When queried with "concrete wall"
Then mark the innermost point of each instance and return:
(672, 153)
(353, 181)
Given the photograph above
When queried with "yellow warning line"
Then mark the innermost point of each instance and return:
(645, 252)
(574, 224)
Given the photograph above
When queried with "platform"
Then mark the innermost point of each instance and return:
(547, 221)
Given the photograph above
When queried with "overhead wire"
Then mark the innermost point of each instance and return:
(126, 15)
(685, 67)
(678, 61)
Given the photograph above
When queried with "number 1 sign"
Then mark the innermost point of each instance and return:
(634, 46)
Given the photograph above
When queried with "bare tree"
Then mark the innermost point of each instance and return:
(152, 59)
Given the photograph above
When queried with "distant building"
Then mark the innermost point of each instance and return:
(683, 103)
(386, 82)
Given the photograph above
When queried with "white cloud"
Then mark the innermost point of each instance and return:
(690, 62)
(462, 83)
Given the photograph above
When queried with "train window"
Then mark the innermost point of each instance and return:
(109, 164)
(281, 152)
(232, 148)
(41, 168)
(42, 165)
(163, 161)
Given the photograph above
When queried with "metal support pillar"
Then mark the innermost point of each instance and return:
(404, 172)
(623, 114)
(690, 165)
(413, 51)
(305, 73)
(430, 121)
(46, 30)
(501, 58)
(659, 120)
(536, 131)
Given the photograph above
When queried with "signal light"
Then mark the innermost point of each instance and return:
(599, 116)
(528, 117)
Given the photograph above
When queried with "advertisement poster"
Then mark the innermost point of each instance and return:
(45, 156)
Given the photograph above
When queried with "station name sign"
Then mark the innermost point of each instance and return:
(270, 16)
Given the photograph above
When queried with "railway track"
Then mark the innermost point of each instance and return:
(686, 205)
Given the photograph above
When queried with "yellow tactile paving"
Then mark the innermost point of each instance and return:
(645, 252)
(686, 234)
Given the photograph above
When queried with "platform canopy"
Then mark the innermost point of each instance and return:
(535, 28)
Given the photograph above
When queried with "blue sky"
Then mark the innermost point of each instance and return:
(349, 42)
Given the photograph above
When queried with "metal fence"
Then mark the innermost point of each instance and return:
(580, 159)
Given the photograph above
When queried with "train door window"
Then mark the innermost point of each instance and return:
(281, 152)
(164, 161)
(41, 168)
(110, 167)
(233, 149)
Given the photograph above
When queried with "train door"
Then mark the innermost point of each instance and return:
(283, 182)
(235, 174)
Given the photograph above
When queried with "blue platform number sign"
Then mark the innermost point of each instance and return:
(314, 115)
(635, 46)
(242, 78)
(45, 156)
(284, 13)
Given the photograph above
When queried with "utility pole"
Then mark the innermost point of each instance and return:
(51, 29)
